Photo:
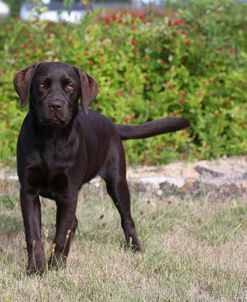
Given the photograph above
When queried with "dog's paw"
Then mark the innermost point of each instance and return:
(133, 246)
(131, 237)
(36, 265)
(136, 247)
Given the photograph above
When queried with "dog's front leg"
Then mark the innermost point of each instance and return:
(30, 206)
(66, 224)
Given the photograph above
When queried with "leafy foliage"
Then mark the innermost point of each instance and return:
(191, 61)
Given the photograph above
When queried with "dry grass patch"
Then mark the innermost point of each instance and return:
(193, 251)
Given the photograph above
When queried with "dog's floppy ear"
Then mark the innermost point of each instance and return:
(89, 88)
(22, 82)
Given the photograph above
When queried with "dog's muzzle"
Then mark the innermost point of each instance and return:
(55, 113)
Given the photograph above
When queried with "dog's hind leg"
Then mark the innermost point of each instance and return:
(119, 192)
(117, 188)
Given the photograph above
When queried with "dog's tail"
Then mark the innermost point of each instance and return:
(152, 128)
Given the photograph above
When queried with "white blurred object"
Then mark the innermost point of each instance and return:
(54, 11)
(154, 2)
(4, 9)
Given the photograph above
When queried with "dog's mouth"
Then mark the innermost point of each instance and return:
(54, 119)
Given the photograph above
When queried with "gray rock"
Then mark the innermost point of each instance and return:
(219, 180)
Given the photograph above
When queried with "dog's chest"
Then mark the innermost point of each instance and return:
(43, 178)
(47, 183)
(49, 174)
(54, 154)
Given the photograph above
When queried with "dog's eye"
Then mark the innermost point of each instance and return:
(41, 85)
(69, 87)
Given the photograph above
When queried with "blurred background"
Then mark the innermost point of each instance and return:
(151, 59)
(73, 9)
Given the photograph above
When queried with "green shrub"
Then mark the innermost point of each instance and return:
(191, 63)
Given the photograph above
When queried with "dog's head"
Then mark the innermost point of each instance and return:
(53, 90)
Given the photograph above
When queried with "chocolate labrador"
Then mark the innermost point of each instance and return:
(63, 145)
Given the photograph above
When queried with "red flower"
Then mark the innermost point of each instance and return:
(114, 17)
(158, 148)
(120, 92)
(231, 50)
(133, 42)
(183, 93)
(220, 49)
(126, 119)
(71, 41)
(186, 42)
(146, 58)
(133, 27)
(136, 52)
(179, 22)
(184, 134)
(225, 104)
(120, 20)
(91, 62)
(181, 101)
(107, 20)
(170, 85)
(185, 32)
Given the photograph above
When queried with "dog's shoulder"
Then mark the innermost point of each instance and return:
(95, 126)
(26, 128)
(94, 119)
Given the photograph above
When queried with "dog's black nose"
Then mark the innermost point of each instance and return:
(55, 105)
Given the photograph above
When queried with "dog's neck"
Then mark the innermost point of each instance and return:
(51, 131)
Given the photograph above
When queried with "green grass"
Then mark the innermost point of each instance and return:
(193, 251)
